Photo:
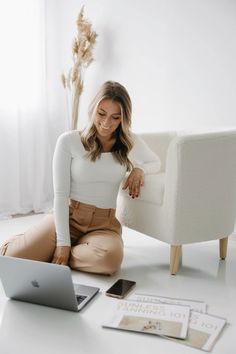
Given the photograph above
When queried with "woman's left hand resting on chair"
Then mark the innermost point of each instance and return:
(61, 255)
(134, 182)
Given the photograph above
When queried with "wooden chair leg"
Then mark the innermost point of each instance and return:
(223, 244)
(175, 257)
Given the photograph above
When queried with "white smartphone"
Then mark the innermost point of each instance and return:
(120, 288)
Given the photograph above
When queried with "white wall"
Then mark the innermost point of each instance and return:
(176, 58)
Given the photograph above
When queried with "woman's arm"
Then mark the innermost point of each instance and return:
(134, 182)
(143, 157)
(145, 161)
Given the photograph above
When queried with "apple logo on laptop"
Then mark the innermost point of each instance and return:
(35, 283)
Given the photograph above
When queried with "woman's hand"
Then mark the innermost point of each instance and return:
(134, 182)
(61, 255)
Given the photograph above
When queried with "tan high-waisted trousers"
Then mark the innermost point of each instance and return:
(96, 243)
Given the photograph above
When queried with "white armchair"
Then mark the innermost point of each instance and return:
(193, 198)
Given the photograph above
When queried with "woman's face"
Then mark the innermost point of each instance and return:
(107, 118)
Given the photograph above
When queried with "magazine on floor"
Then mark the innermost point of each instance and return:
(203, 329)
(195, 305)
(159, 319)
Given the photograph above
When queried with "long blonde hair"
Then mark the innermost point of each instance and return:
(116, 92)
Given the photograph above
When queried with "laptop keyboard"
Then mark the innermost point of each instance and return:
(80, 298)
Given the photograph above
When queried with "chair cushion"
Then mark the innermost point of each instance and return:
(153, 189)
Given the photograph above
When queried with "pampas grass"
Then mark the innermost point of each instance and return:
(82, 55)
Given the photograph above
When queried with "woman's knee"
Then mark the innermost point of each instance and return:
(96, 259)
(112, 259)
(38, 242)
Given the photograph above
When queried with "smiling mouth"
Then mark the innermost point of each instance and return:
(103, 127)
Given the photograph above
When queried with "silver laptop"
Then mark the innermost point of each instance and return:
(43, 283)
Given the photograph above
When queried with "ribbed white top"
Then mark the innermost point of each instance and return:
(96, 183)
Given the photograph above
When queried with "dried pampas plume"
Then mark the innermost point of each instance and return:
(82, 55)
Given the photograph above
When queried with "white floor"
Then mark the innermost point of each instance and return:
(27, 329)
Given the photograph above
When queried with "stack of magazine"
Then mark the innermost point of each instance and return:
(180, 320)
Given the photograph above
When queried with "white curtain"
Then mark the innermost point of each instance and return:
(25, 147)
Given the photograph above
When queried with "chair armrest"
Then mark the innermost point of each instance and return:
(159, 143)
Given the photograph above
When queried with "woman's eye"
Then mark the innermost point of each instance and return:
(116, 118)
(101, 114)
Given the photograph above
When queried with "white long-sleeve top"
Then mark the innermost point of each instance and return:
(96, 183)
